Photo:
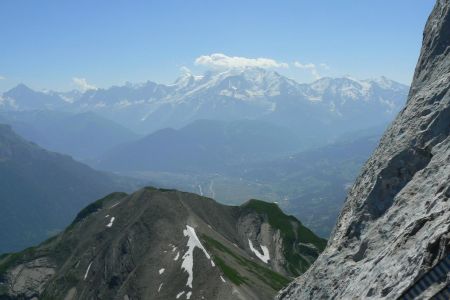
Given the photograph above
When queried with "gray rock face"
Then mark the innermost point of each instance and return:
(28, 279)
(163, 244)
(396, 221)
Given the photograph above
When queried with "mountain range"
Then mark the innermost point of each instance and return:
(84, 136)
(318, 111)
(310, 184)
(203, 146)
(41, 191)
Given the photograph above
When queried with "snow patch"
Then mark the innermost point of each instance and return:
(180, 294)
(110, 224)
(265, 257)
(188, 295)
(160, 286)
(161, 271)
(221, 278)
(188, 257)
(87, 271)
(115, 205)
(177, 256)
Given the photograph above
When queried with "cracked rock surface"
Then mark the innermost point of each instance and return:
(395, 223)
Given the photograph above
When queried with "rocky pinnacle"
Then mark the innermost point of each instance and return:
(395, 224)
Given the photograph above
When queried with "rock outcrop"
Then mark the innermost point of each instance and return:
(164, 244)
(395, 225)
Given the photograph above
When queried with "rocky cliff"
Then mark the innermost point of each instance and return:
(395, 225)
(164, 244)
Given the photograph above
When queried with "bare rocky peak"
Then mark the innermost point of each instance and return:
(395, 225)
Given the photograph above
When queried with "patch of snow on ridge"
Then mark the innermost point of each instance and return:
(177, 256)
(161, 271)
(188, 257)
(114, 205)
(180, 294)
(160, 286)
(110, 224)
(188, 295)
(87, 271)
(265, 257)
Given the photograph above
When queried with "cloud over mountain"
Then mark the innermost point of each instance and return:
(313, 68)
(220, 60)
(82, 84)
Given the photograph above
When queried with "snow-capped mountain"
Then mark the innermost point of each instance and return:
(22, 97)
(342, 92)
(248, 93)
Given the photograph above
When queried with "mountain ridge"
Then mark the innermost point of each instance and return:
(41, 190)
(203, 145)
(160, 244)
(84, 136)
(234, 94)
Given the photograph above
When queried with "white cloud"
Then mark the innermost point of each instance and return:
(185, 70)
(324, 66)
(82, 84)
(310, 67)
(219, 60)
(304, 66)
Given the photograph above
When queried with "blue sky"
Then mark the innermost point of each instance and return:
(46, 44)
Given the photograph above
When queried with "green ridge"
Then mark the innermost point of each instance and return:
(229, 272)
(271, 278)
(292, 231)
(97, 205)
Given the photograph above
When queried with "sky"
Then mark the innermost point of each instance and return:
(62, 45)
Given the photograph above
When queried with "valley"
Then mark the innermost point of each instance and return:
(190, 150)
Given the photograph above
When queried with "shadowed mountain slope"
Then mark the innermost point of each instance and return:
(41, 191)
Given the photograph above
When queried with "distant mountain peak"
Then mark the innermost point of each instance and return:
(386, 83)
(20, 88)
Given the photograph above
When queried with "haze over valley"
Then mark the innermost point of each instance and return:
(225, 150)
(231, 135)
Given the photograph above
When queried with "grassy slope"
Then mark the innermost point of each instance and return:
(291, 230)
(273, 279)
